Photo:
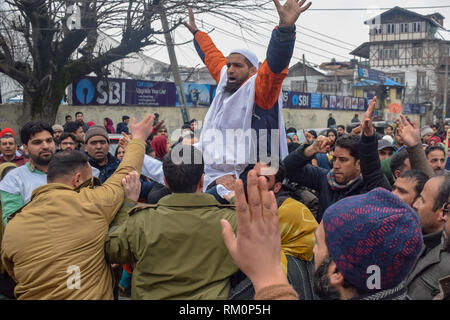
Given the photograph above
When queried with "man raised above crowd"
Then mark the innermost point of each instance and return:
(247, 96)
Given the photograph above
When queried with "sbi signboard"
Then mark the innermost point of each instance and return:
(123, 92)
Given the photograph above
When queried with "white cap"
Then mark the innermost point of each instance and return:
(249, 55)
(388, 138)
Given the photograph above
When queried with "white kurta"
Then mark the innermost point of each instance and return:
(226, 139)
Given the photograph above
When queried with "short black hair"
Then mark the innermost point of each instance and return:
(313, 132)
(33, 127)
(291, 129)
(125, 118)
(148, 149)
(420, 178)
(341, 126)
(351, 143)
(66, 162)
(398, 160)
(66, 135)
(443, 193)
(77, 113)
(184, 176)
(434, 148)
(281, 173)
(192, 121)
(389, 126)
(68, 116)
(72, 126)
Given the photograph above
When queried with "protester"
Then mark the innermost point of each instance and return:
(146, 236)
(297, 226)
(434, 261)
(161, 146)
(109, 126)
(292, 137)
(385, 149)
(342, 271)
(409, 185)
(96, 145)
(331, 123)
(79, 119)
(68, 119)
(356, 166)
(426, 133)
(66, 141)
(8, 150)
(66, 224)
(77, 129)
(57, 130)
(16, 187)
(434, 140)
(436, 157)
(340, 131)
(6, 283)
(120, 152)
(236, 76)
(444, 283)
(389, 131)
(355, 119)
(123, 126)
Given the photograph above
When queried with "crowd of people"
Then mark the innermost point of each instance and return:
(343, 215)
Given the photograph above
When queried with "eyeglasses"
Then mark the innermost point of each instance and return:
(445, 208)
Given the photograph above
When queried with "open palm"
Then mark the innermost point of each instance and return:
(290, 11)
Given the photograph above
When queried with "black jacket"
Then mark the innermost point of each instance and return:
(299, 169)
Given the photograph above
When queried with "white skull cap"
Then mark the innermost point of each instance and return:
(249, 55)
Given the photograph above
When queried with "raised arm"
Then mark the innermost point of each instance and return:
(210, 55)
(372, 174)
(410, 134)
(108, 198)
(279, 53)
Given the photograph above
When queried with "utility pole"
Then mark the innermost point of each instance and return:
(174, 65)
(444, 106)
(305, 83)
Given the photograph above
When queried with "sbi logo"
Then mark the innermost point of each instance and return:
(114, 93)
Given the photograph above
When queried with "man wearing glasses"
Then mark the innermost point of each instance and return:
(434, 261)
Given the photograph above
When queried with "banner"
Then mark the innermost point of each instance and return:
(298, 100)
(316, 101)
(333, 102)
(340, 103)
(197, 95)
(123, 92)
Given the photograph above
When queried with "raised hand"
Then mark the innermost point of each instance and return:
(191, 25)
(132, 186)
(366, 124)
(256, 249)
(123, 142)
(290, 11)
(142, 129)
(409, 133)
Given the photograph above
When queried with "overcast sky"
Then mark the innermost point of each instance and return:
(346, 27)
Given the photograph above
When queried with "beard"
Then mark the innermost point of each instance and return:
(446, 239)
(233, 87)
(322, 286)
(42, 161)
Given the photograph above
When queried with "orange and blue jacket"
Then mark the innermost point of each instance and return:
(269, 78)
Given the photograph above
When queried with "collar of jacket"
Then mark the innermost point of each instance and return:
(432, 240)
(188, 200)
(397, 293)
(91, 183)
(111, 160)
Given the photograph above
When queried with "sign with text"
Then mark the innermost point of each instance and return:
(123, 92)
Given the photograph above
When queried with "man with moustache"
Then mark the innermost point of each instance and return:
(248, 99)
(365, 245)
(18, 184)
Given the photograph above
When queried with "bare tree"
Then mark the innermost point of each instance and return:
(47, 44)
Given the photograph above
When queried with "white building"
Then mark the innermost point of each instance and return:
(409, 48)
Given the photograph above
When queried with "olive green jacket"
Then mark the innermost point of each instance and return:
(177, 246)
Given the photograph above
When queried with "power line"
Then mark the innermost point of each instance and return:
(365, 9)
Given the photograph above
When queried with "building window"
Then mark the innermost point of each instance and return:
(398, 94)
(417, 50)
(297, 85)
(421, 79)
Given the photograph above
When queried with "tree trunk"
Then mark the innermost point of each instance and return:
(42, 104)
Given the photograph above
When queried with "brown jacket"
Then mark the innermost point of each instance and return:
(54, 247)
